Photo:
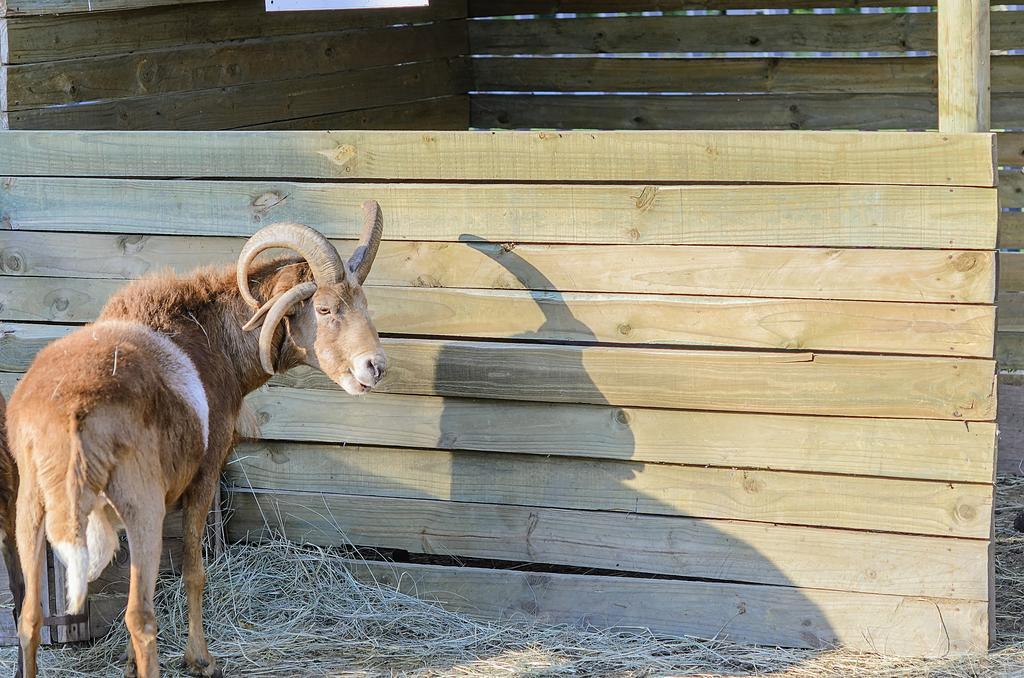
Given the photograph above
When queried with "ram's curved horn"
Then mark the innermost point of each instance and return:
(319, 253)
(275, 314)
(373, 228)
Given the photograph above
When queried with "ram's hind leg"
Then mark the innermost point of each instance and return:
(142, 510)
(195, 507)
(31, 552)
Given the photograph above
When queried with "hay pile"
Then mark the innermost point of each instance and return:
(284, 610)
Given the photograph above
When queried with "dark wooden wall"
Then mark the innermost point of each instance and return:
(228, 64)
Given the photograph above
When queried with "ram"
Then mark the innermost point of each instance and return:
(8, 493)
(136, 411)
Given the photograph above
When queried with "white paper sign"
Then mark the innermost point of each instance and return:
(293, 5)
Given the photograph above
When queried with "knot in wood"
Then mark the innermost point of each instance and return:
(12, 261)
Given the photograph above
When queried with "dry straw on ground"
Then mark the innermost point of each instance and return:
(284, 610)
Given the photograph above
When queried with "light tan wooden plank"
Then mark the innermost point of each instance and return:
(884, 505)
(789, 383)
(747, 613)
(40, 7)
(185, 68)
(48, 38)
(805, 383)
(857, 274)
(941, 450)
(819, 157)
(964, 66)
(255, 103)
(482, 8)
(885, 32)
(817, 215)
(860, 326)
(720, 550)
(922, 329)
(888, 75)
(445, 113)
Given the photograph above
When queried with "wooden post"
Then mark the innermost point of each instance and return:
(964, 90)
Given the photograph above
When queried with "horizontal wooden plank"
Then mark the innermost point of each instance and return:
(797, 272)
(53, 37)
(735, 112)
(447, 113)
(881, 505)
(39, 7)
(737, 612)
(1011, 229)
(796, 383)
(255, 103)
(880, 327)
(1010, 354)
(783, 383)
(861, 326)
(185, 68)
(812, 157)
(884, 32)
(1011, 272)
(717, 550)
(802, 216)
(485, 8)
(907, 448)
(1011, 188)
(879, 75)
(1010, 148)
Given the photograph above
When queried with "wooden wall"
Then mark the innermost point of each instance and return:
(228, 64)
(757, 365)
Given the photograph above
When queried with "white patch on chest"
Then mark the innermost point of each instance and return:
(179, 372)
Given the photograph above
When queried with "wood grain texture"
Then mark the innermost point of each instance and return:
(808, 383)
(1011, 229)
(773, 615)
(445, 113)
(1011, 188)
(803, 216)
(964, 55)
(813, 157)
(71, 36)
(1011, 272)
(926, 449)
(186, 68)
(883, 505)
(733, 111)
(1010, 148)
(857, 75)
(714, 549)
(885, 32)
(484, 8)
(256, 103)
(789, 272)
(860, 326)
(40, 7)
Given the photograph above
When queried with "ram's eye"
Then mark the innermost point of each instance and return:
(323, 310)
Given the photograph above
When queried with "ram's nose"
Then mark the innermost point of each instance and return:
(369, 368)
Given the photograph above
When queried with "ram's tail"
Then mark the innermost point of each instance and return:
(68, 521)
